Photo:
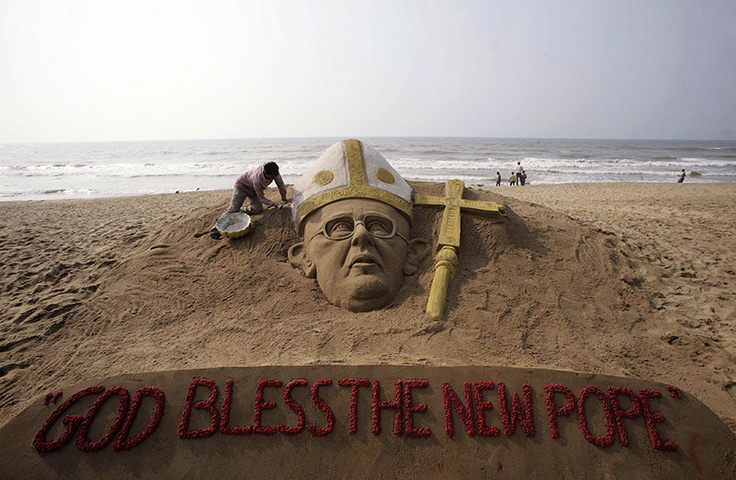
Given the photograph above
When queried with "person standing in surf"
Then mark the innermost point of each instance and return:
(519, 170)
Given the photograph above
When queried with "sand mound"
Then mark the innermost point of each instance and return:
(130, 285)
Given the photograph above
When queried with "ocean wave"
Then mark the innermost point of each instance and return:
(50, 192)
(213, 153)
(130, 170)
(102, 169)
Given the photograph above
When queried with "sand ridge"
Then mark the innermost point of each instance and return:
(619, 279)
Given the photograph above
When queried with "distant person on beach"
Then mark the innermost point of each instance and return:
(512, 180)
(523, 178)
(682, 177)
(251, 185)
(519, 171)
(498, 179)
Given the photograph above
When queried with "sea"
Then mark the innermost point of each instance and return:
(39, 171)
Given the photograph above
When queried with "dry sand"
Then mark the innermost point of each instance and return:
(631, 280)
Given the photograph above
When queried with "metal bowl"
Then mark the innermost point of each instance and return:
(234, 225)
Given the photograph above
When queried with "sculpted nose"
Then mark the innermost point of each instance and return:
(361, 237)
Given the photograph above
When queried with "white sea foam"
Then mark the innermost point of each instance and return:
(130, 168)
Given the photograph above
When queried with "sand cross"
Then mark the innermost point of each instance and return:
(449, 240)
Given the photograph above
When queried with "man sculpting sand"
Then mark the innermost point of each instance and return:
(251, 185)
(354, 211)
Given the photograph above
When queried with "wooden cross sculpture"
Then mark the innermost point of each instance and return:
(449, 240)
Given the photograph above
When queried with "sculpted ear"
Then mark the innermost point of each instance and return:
(415, 253)
(299, 258)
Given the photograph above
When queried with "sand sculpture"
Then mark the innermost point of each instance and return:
(449, 240)
(354, 211)
(273, 382)
(363, 421)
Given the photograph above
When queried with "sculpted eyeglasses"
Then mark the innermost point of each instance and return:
(343, 227)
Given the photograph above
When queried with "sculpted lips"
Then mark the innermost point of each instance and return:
(364, 259)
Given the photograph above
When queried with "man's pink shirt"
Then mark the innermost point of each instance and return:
(254, 182)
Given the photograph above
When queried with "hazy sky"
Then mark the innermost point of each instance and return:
(130, 70)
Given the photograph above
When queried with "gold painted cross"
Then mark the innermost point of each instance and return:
(449, 240)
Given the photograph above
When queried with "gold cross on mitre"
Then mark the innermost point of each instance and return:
(449, 240)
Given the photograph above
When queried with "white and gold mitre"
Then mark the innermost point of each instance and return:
(349, 169)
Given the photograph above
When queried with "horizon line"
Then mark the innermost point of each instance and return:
(370, 136)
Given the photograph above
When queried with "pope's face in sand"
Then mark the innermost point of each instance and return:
(359, 251)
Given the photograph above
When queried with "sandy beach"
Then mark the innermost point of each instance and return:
(633, 280)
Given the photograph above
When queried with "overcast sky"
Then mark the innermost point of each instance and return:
(129, 70)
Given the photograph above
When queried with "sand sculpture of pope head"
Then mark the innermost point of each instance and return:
(353, 211)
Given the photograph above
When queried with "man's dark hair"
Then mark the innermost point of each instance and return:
(271, 169)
